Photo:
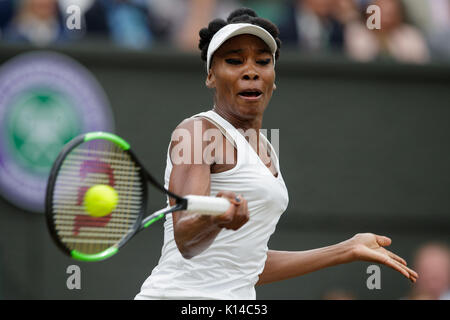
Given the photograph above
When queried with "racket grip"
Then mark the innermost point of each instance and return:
(213, 206)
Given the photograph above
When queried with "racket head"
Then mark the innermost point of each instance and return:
(87, 160)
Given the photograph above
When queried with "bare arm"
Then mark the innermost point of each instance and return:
(194, 233)
(281, 265)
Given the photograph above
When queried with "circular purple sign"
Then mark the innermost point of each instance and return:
(46, 99)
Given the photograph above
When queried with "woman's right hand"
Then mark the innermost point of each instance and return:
(236, 215)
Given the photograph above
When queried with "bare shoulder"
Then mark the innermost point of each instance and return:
(191, 123)
(192, 129)
(189, 141)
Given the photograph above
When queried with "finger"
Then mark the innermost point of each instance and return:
(385, 259)
(229, 195)
(245, 212)
(398, 267)
(411, 273)
(226, 217)
(223, 219)
(383, 241)
(395, 257)
(241, 217)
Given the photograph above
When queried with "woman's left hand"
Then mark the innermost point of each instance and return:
(370, 247)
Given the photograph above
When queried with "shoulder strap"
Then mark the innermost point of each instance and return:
(208, 116)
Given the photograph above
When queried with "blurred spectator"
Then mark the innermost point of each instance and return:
(338, 294)
(346, 11)
(396, 38)
(310, 25)
(128, 22)
(43, 22)
(6, 14)
(94, 21)
(183, 19)
(198, 14)
(35, 21)
(433, 17)
(314, 25)
(273, 10)
(432, 263)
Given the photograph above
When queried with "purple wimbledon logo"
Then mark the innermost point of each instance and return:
(46, 99)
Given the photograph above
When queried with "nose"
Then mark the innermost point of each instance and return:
(250, 74)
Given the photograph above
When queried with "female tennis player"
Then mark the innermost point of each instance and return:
(224, 257)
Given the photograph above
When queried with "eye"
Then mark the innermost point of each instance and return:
(264, 61)
(233, 61)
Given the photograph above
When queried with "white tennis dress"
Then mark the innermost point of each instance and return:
(230, 267)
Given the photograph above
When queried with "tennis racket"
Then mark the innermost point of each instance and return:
(101, 158)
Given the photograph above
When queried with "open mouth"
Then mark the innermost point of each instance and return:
(252, 93)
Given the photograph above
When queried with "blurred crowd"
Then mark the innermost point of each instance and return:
(411, 31)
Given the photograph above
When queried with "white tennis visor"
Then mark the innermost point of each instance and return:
(235, 29)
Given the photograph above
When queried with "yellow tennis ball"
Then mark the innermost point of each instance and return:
(100, 200)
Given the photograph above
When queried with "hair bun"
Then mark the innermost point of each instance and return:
(242, 15)
(241, 12)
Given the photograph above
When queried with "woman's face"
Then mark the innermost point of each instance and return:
(243, 75)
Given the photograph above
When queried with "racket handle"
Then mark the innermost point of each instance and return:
(213, 206)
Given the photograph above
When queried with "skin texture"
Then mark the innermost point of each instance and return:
(241, 63)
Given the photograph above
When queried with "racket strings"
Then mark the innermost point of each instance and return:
(93, 163)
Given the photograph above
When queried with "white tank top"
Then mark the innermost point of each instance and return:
(230, 267)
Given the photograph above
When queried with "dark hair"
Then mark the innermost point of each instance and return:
(242, 15)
